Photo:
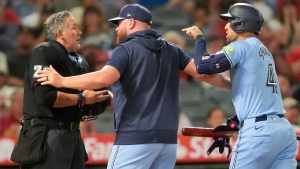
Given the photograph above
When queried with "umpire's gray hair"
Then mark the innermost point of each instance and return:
(55, 22)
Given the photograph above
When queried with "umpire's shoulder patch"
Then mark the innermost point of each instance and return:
(229, 48)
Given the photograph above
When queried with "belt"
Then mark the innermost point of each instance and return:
(261, 118)
(73, 126)
(264, 117)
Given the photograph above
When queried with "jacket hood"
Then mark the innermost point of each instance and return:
(147, 38)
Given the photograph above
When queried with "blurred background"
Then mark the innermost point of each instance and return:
(21, 28)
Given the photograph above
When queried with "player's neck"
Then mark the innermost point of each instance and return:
(245, 35)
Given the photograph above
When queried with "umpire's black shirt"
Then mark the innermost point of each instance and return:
(38, 99)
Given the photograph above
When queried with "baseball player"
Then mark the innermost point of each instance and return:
(266, 138)
(144, 72)
(50, 136)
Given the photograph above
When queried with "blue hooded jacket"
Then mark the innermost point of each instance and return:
(146, 94)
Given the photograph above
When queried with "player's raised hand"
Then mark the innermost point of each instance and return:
(193, 31)
(50, 77)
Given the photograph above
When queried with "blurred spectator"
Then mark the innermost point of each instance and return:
(291, 107)
(46, 11)
(95, 29)
(176, 38)
(8, 32)
(152, 3)
(296, 92)
(112, 7)
(66, 5)
(185, 5)
(203, 17)
(215, 117)
(28, 10)
(184, 120)
(5, 90)
(33, 19)
(94, 56)
(23, 8)
(17, 60)
(78, 11)
(265, 9)
(216, 40)
(293, 59)
(281, 3)
(223, 6)
(10, 15)
(283, 24)
(87, 128)
(285, 85)
(293, 54)
(10, 123)
(270, 3)
(100, 60)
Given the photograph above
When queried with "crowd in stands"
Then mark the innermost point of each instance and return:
(21, 28)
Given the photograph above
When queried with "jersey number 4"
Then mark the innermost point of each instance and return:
(271, 80)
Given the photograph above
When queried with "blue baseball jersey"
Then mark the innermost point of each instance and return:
(255, 88)
(257, 101)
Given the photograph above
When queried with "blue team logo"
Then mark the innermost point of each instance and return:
(263, 51)
(229, 48)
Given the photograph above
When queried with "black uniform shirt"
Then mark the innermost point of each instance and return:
(38, 99)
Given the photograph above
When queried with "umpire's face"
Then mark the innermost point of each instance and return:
(71, 35)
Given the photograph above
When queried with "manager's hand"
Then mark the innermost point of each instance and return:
(50, 77)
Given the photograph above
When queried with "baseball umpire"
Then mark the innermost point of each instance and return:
(266, 138)
(50, 136)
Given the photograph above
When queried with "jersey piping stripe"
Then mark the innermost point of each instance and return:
(237, 148)
(227, 58)
(115, 156)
